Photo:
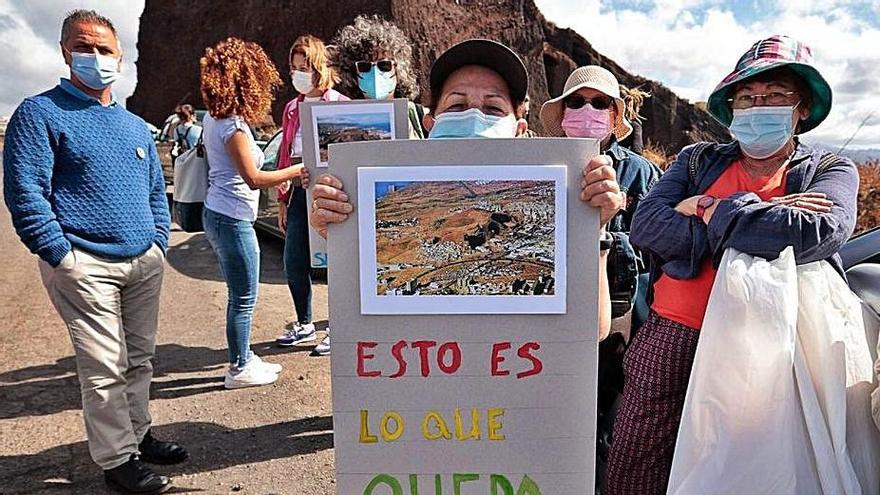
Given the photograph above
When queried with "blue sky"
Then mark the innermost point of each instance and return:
(688, 45)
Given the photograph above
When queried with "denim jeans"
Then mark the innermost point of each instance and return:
(297, 258)
(238, 252)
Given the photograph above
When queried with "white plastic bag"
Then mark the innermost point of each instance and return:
(833, 366)
(779, 397)
(739, 433)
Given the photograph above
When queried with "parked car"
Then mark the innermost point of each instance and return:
(861, 259)
(862, 248)
(267, 214)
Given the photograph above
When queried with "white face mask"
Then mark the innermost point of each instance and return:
(472, 123)
(302, 81)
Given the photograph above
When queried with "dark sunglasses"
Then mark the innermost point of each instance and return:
(598, 102)
(383, 65)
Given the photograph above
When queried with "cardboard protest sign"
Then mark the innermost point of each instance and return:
(459, 397)
(328, 122)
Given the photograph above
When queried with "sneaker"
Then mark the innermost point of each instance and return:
(323, 349)
(252, 375)
(300, 333)
(271, 367)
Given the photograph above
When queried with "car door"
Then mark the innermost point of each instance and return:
(267, 214)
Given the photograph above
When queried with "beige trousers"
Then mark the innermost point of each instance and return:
(111, 310)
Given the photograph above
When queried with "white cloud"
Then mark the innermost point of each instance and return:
(690, 45)
(32, 60)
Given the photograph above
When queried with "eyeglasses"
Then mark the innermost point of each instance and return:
(773, 99)
(383, 65)
(598, 102)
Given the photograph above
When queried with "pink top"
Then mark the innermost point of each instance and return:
(290, 124)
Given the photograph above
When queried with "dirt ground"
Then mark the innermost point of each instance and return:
(267, 440)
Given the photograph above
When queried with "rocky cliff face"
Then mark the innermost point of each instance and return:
(174, 34)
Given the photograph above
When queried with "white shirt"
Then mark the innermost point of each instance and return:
(228, 193)
(296, 148)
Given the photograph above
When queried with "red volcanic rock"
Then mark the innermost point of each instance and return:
(173, 36)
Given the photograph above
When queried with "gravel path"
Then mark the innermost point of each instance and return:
(267, 440)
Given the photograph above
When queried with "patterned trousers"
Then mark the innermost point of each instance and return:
(657, 367)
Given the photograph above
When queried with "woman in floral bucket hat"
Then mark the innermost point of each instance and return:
(759, 194)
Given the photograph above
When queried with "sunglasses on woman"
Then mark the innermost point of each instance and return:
(383, 65)
(601, 102)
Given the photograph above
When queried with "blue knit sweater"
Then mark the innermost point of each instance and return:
(76, 173)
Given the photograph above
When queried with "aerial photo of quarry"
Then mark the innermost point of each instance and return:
(489, 237)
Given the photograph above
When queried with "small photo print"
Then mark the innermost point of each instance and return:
(350, 123)
(487, 238)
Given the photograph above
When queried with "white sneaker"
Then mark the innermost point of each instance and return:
(249, 376)
(258, 361)
(323, 349)
(297, 335)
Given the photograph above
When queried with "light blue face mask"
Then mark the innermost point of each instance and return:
(472, 123)
(377, 85)
(762, 131)
(94, 70)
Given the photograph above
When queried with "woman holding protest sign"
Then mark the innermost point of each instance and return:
(760, 194)
(480, 86)
(313, 78)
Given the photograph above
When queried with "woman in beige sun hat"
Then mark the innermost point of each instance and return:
(591, 107)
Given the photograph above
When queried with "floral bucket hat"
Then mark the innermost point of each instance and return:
(767, 54)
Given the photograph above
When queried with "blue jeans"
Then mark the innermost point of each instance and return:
(238, 252)
(297, 258)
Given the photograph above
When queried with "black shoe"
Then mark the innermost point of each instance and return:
(135, 477)
(158, 452)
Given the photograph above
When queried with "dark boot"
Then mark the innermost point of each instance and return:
(158, 452)
(135, 477)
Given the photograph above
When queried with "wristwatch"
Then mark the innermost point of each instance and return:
(703, 204)
(606, 241)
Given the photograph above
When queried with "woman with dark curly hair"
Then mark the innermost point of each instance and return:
(237, 82)
(374, 57)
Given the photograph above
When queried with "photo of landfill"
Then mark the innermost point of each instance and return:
(474, 238)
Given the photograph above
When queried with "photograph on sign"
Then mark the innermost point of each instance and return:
(488, 239)
(333, 124)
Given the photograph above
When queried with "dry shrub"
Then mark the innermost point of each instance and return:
(656, 154)
(869, 196)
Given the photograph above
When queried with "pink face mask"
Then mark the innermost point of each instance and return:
(586, 122)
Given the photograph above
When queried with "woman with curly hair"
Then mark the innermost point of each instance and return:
(237, 82)
(313, 78)
(374, 57)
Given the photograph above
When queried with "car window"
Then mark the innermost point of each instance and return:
(271, 151)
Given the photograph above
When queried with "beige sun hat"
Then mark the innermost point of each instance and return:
(589, 76)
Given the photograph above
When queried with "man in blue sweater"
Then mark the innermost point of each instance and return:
(84, 185)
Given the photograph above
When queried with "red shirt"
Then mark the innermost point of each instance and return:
(685, 301)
